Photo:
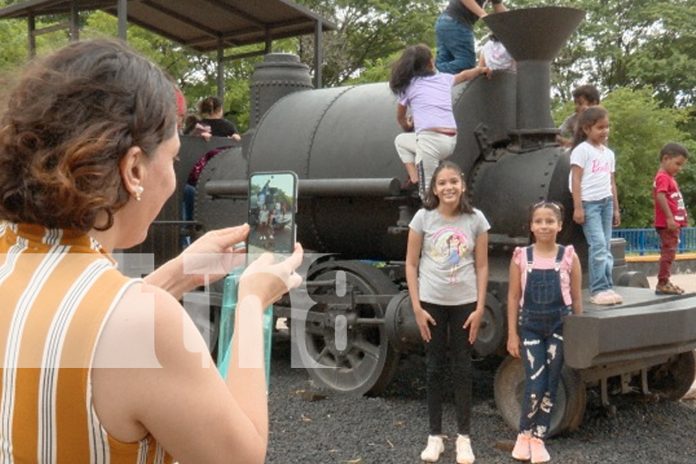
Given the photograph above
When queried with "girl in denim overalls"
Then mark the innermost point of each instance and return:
(548, 276)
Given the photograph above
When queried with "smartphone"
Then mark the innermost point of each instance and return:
(272, 208)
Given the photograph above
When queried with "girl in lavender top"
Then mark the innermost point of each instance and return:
(431, 131)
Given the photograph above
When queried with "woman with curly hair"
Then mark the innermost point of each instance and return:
(97, 367)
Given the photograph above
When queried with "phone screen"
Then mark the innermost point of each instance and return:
(272, 207)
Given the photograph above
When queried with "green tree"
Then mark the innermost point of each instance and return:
(630, 44)
(368, 32)
(639, 128)
(195, 73)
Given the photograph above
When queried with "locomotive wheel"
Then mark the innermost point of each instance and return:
(568, 411)
(492, 330)
(361, 361)
(673, 379)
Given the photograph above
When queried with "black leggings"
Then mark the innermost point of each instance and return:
(449, 319)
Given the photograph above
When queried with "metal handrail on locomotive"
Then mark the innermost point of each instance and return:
(351, 208)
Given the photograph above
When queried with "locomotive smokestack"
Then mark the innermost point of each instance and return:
(534, 36)
(278, 75)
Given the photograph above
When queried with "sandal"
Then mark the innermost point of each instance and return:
(668, 288)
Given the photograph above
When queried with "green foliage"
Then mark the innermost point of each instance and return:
(368, 32)
(639, 128)
(630, 44)
(194, 73)
(375, 71)
(687, 184)
(14, 48)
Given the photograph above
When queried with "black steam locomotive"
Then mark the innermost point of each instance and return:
(352, 211)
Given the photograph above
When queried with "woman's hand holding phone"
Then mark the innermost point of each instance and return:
(208, 259)
(268, 280)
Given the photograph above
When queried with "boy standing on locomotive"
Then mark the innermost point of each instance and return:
(670, 212)
(584, 96)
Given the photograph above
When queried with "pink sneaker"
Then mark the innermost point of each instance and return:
(521, 450)
(617, 298)
(538, 451)
(604, 298)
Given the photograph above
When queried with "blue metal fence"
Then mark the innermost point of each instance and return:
(646, 241)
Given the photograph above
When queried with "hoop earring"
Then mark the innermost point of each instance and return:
(138, 192)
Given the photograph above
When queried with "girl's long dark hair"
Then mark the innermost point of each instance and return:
(588, 118)
(413, 62)
(432, 201)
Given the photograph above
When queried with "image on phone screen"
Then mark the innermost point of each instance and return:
(272, 206)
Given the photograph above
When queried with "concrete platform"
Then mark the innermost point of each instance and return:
(645, 325)
(688, 283)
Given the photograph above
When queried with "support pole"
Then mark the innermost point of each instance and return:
(31, 25)
(318, 54)
(74, 22)
(269, 42)
(122, 10)
(221, 70)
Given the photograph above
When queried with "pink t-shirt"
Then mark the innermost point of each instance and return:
(519, 257)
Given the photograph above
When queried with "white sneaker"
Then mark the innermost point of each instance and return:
(465, 454)
(435, 447)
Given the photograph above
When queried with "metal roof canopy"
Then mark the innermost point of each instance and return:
(203, 25)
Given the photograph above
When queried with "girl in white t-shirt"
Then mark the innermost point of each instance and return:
(447, 275)
(595, 201)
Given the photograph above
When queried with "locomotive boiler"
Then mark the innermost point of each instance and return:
(352, 211)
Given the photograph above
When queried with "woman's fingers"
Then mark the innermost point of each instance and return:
(231, 236)
(268, 279)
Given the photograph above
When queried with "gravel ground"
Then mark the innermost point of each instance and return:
(393, 428)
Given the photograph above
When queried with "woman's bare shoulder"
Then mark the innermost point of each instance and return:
(147, 339)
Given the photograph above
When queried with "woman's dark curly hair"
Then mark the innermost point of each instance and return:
(67, 125)
(413, 62)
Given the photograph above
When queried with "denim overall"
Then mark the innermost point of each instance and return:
(541, 335)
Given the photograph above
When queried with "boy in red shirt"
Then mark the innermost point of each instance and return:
(670, 212)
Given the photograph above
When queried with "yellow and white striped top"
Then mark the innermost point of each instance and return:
(57, 288)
